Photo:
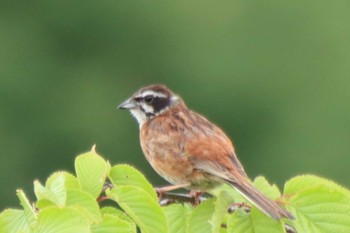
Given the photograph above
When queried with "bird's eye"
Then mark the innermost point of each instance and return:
(149, 99)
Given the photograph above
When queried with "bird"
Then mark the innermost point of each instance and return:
(188, 150)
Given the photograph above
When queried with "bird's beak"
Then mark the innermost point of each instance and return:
(128, 104)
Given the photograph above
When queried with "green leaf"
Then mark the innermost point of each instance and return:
(44, 196)
(12, 220)
(117, 213)
(263, 223)
(199, 219)
(43, 203)
(319, 205)
(29, 212)
(239, 222)
(84, 202)
(263, 185)
(299, 183)
(177, 215)
(70, 181)
(321, 209)
(222, 203)
(62, 220)
(127, 175)
(141, 207)
(255, 222)
(91, 171)
(113, 224)
(56, 196)
(54, 192)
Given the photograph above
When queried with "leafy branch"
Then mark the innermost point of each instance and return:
(76, 203)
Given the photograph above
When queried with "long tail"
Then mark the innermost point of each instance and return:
(263, 203)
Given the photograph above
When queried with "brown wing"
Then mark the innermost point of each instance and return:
(212, 151)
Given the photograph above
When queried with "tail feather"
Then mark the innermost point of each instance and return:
(263, 203)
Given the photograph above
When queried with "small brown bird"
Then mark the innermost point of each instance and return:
(188, 150)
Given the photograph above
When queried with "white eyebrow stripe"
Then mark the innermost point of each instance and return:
(153, 93)
(174, 98)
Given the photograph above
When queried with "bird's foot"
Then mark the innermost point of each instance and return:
(196, 195)
(233, 207)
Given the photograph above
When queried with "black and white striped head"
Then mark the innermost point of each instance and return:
(149, 101)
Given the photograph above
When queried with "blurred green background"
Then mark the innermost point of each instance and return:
(275, 75)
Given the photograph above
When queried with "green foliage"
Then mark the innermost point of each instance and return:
(68, 203)
(320, 205)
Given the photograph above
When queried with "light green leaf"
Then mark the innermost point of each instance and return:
(222, 203)
(263, 223)
(263, 185)
(299, 183)
(127, 175)
(84, 202)
(62, 220)
(29, 212)
(117, 213)
(321, 209)
(43, 203)
(43, 193)
(56, 196)
(319, 205)
(239, 222)
(177, 215)
(255, 222)
(199, 219)
(70, 181)
(55, 190)
(141, 207)
(113, 224)
(12, 220)
(91, 170)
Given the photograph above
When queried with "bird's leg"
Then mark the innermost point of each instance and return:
(162, 190)
(235, 206)
(103, 196)
(196, 195)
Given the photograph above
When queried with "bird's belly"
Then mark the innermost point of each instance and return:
(174, 170)
(181, 171)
